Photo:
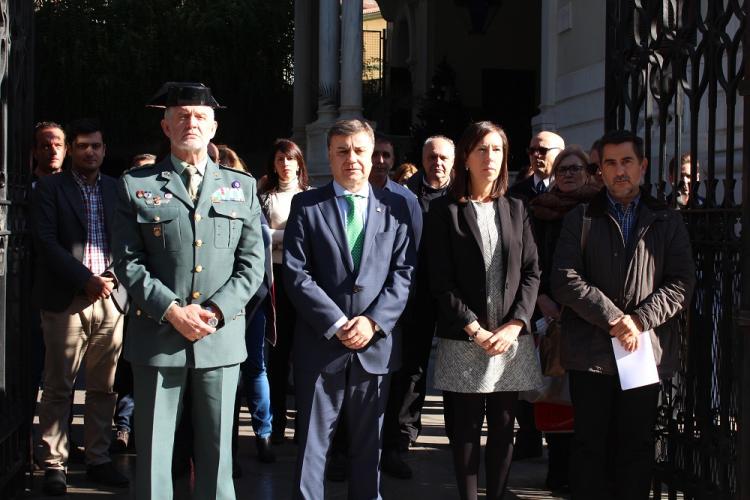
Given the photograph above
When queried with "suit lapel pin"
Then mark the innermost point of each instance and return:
(378, 209)
(235, 184)
(167, 196)
(139, 193)
(147, 194)
(157, 200)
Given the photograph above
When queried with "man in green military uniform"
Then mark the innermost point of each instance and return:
(188, 246)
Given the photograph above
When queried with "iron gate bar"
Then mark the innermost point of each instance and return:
(16, 113)
(743, 317)
(665, 58)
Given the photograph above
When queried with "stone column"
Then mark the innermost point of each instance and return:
(328, 86)
(328, 59)
(351, 59)
(545, 120)
(302, 70)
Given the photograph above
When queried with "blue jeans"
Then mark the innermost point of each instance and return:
(254, 378)
(124, 413)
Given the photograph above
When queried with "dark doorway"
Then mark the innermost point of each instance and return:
(509, 98)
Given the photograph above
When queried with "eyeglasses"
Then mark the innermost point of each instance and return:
(570, 169)
(542, 151)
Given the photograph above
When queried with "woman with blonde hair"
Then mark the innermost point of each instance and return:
(404, 172)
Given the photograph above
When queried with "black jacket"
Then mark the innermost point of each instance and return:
(652, 278)
(456, 265)
(59, 228)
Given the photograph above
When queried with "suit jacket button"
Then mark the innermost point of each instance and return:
(138, 312)
(197, 217)
(157, 218)
(196, 295)
(198, 243)
(198, 268)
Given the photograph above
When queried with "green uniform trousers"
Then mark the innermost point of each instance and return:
(158, 395)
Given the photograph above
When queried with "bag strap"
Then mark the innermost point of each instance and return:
(585, 227)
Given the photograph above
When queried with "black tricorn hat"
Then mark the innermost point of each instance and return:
(183, 94)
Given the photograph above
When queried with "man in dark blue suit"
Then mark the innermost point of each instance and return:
(348, 260)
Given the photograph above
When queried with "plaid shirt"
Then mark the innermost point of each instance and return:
(625, 217)
(96, 254)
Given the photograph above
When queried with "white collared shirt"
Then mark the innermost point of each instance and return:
(362, 197)
(546, 181)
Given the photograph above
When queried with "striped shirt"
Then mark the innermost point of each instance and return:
(96, 255)
(625, 216)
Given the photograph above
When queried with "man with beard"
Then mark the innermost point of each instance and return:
(630, 279)
(189, 248)
(72, 217)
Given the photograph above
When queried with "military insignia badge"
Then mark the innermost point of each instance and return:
(228, 194)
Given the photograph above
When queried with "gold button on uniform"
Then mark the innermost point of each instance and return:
(197, 217)
(157, 218)
(196, 295)
(198, 243)
(198, 268)
(234, 214)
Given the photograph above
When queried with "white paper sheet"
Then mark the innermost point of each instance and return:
(637, 368)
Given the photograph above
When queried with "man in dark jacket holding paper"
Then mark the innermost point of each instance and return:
(630, 272)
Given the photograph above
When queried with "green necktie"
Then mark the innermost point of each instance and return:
(355, 235)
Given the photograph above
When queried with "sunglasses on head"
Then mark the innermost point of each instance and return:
(542, 151)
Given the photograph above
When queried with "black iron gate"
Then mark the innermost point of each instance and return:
(16, 108)
(674, 75)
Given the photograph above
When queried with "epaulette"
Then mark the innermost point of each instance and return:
(236, 171)
(140, 167)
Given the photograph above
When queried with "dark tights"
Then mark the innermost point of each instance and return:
(464, 416)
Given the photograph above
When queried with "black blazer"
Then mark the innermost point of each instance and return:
(59, 228)
(457, 274)
(524, 190)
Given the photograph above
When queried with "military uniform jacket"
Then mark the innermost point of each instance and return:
(168, 249)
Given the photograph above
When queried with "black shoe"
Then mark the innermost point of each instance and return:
(77, 455)
(277, 436)
(55, 483)
(392, 464)
(337, 468)
(106, 475)
(265, 453)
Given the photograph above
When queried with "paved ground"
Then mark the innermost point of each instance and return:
(430, 459)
